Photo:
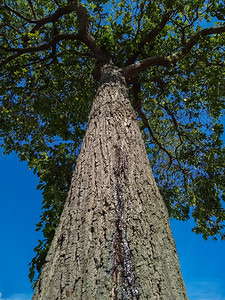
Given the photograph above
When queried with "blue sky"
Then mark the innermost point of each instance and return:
(20, 208)
(202, 262)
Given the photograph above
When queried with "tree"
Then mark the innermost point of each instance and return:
(114, 239)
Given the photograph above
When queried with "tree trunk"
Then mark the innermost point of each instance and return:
(114, 239)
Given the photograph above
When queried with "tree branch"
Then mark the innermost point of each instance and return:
(152, 34)
(32, 8)
(61, 11)
(204, 32)
(56, 2)
(57, 38)
(48, 45)
(136, 92)
(183, 27)
(16, 13)
(84, 35)
(139, 16)
(8, 59)
(132, 70)
(52, 18)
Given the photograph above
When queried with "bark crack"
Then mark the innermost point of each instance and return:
(122, 253)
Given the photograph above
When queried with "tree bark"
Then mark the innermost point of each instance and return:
(114, 239)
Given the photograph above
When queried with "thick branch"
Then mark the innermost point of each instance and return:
(61, 11)
(195, 39)
(139, 66)
(85, 35)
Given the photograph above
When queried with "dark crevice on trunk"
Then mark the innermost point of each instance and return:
(122, 253)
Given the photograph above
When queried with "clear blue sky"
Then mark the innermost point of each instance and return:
(202, 262)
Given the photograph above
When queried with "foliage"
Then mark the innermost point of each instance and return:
(47, 91)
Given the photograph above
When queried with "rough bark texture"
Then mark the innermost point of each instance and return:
(114, 239)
